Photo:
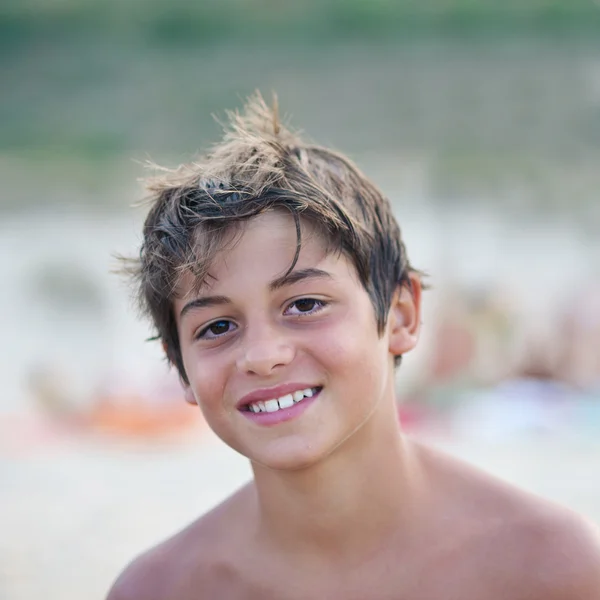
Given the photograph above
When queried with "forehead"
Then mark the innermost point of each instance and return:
(263, 247)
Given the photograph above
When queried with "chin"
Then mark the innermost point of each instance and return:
(288, 455)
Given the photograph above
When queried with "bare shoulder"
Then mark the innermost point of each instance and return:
(515, 539)
(186, 565)
(564, 551)
(146, 578)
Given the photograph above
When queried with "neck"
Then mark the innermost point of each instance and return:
(364, 492)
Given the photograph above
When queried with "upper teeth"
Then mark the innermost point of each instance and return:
(283, 402)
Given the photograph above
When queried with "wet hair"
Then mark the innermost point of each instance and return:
(260, 165)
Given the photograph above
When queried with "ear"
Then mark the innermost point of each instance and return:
(187, 390)
(188, 394)
(404, 318)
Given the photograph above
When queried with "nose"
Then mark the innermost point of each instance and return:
(264, 351)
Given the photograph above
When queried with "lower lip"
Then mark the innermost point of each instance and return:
(281, 415)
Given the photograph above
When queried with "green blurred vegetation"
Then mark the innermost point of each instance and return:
(213, 21)
(486, 94)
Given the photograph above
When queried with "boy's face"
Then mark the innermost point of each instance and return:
(252, 335)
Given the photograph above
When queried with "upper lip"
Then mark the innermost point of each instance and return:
(272, 393)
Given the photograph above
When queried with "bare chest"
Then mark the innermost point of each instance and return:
(439, 578)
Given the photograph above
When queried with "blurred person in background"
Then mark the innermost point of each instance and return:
(581, 339)
(276, 276)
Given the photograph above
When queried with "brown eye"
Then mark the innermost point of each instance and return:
(216, 329)
(219, 327)
(305, 304)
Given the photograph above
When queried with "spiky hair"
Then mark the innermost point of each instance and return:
(261, 165)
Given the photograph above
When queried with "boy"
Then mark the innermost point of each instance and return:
(276, 277)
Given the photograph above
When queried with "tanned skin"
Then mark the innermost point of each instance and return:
(342, 505)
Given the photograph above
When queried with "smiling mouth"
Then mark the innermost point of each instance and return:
(286, 401)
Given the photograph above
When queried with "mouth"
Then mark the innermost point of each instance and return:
(284, 402)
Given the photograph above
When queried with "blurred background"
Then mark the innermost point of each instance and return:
(479, 119)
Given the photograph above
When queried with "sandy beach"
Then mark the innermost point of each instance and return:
(75, 510)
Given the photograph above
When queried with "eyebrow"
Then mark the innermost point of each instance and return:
(204, 302)
(276, 284)
(296, 276)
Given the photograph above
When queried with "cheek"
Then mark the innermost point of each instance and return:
(352, 348)
(206, 377)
